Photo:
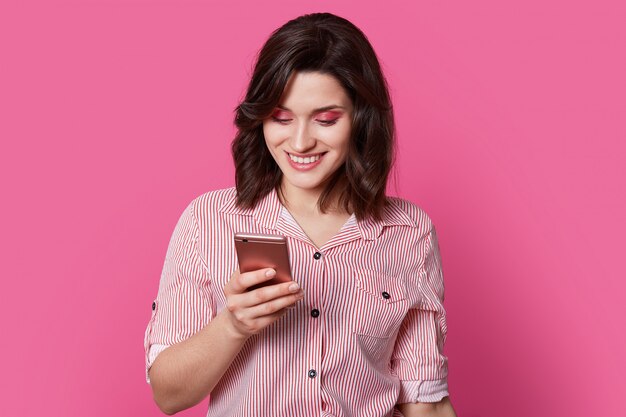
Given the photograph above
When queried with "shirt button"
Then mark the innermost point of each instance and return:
(315, 313)
(386, 295)
(317, 255)
(312, 373)
(153, 305)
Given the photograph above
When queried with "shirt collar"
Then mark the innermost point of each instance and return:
(393, 215)
(268, 211)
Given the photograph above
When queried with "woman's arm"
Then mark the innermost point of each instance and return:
(442, 408)
(185, 373)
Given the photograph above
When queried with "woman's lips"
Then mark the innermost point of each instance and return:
(306, 163)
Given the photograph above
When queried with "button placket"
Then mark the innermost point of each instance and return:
(315, 334)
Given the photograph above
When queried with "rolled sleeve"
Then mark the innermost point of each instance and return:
(153, 352)
(183, 305)
(423, 391)
(418, 358)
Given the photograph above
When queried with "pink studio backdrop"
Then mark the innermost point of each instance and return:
(114, 115)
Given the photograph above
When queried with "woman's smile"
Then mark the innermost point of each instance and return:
(304, 163)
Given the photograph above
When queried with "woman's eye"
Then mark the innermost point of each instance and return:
(276, 119)
(322, 122)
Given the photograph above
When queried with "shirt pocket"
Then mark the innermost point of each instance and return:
(381, 303)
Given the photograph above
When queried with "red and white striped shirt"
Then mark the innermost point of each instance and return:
(368, 334)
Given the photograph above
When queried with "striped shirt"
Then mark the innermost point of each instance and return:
(368, 334)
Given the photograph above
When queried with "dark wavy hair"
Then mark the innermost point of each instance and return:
(332, 45)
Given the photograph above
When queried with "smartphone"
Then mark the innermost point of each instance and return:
(258, 251)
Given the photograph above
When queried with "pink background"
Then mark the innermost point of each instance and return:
(510, 115)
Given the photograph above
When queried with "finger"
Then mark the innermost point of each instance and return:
(273, 306)
(240, 303)
(271, 318)
(263, 322)
(248, 279)
(239, 282)
(265, 294)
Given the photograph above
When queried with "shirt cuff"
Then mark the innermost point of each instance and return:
(152, 354)
(430, 391)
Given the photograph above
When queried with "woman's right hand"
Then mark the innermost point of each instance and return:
(249, 312)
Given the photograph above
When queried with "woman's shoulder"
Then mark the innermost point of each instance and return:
(212, 201)
(413, 213)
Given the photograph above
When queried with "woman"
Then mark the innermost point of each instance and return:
(360, 329)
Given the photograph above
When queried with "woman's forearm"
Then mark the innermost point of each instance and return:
(442, 408)
(185, 373)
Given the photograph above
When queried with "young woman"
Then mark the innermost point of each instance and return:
(360, 330)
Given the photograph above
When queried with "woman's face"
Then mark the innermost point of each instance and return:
(309, 131)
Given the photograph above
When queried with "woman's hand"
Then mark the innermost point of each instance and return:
(249, 312)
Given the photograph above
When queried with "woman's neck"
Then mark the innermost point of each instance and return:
(305, 202)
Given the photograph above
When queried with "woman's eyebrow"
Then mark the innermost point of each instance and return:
(329, 107)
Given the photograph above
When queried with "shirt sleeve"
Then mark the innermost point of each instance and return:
(183, 305)
(418, 358)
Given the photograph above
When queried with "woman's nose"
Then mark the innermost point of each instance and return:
(301, 139)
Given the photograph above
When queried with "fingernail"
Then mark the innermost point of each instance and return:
(294, 287)
(270, 273)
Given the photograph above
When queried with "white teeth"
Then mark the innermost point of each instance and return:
(306, 160)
